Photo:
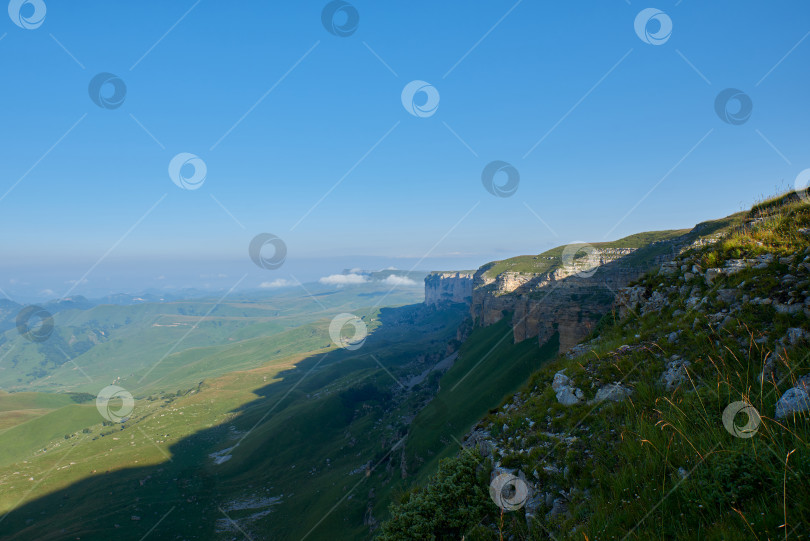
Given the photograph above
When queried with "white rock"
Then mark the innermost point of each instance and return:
(568, 396)
(560, 380)
(613, 392)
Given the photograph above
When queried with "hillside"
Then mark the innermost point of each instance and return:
(683, 415)
(272, 436)
(589, 389)
(157, 346)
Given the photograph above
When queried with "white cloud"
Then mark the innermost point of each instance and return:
(394, 280)
(343, 279)
(280, 282)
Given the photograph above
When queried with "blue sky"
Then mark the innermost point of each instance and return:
(615, 117)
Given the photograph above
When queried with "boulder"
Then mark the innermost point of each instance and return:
(711, 274)
(568, 396)
(795, 400)
(559, 507)
(727, 295)
(795, 335)
(675, 374)
(613, 392)
(560, 381)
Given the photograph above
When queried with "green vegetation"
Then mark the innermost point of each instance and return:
(452, 503)
(283, 434)
(490, 367)
(123, 344)
(552, 259)
(661, 464)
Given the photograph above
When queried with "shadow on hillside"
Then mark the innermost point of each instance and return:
(183, 498)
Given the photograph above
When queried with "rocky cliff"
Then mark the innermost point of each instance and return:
(566, 299)
(448, 287)
(565, 290)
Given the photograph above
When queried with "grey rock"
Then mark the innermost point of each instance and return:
(568, 396)
(667, 269)
(787, 308)
(795, 400)
(795, 335)
(789, 279)
(613, 392)
(675, 373)
(727, 295)
(734, 266)
(692, 302)
(560, 381)
(559, 507)
(711, 274)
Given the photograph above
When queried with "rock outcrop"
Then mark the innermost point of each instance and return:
(564, 300)
(448, 287)
(568, 298)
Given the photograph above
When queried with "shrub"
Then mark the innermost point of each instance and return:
(452, 503)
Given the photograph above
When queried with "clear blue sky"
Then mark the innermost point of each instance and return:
(615, 115)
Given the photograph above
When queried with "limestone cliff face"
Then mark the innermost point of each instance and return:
(447, 287)
(568, 300)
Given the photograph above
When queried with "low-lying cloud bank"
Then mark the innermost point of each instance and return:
(343, 279)
(357, 276)
(395, 280)
(281, 282)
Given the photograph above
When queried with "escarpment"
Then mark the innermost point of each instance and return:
(565, 290)
(448, 287)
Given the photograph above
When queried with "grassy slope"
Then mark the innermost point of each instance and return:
(110, 341)
(301, 406)
(648, 245)
(490, 367)
(551, 259)
(627, 461)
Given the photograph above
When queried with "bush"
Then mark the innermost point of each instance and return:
(453, 502)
